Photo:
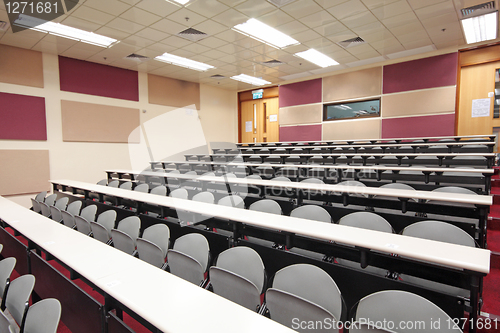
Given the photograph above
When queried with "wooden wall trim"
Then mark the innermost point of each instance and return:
(480, 55)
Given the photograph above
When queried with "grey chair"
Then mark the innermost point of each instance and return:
(101, 228)
(206, 197)
(74, 207)
(189, 258)
(266, 206)
(232, 200)
(353, 183)
(16, 302)
(6, 267)
(43, 317)
(55, 210)
(441, 232)
(51, 199)
(239, 276)
(401, 306)
(103, 182)
(82, 221)
(125, 235)
(457, 190)
(304, 291)
(45, 209)
(68, 215)
(114, 183)
(180, 193)
(35, 202)
(159, 190)
(152, 247)
(144, 187)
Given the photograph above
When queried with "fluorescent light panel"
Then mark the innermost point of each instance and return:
(317, 58)
(182, 2)
(480, 28)
(65, 31)
(183, 62)
(250, 79)
(264, 33)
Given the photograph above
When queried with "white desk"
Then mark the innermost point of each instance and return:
(164, 300)
(457, 256)
(484, 200)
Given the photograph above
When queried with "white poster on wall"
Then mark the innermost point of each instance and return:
(248, 126)
(480, 107)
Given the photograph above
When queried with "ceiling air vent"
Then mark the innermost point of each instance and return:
(137, 57)
(218, 77)
(351, 42)
(4, 26)
(279, 3)
(192, 34)
(272, 63)
(478, 9)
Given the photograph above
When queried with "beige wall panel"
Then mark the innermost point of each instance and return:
(24, 171)
(302, 114)
(355, 129)
(21, 66)
(358, 84)
(172, 92)
(86, 122)
(432, 101)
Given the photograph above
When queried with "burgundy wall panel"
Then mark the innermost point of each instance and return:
(305, 92)
(96, 79)
(300, 133)
(410, 127)
(22, 117)
(438, 71)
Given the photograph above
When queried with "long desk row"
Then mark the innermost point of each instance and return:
(167, 302)
(472, 263)
(437, 139)
(425, 175)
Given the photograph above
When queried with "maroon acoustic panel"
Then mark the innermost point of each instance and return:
(438, 71)
(299, 93)
(96, 79)
(22, 117)
(425, 126)
(300, 133)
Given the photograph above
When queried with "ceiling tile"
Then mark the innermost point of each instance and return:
(408, 28)
(275, 18)
(213, 42)
(246, 54)
(329, 3)
(175, 41)
(162, 48)
(113, 33)
(125, 26)
(342, 36)
(19, 40)
(183, 53)
(414, 43)
(347, 9)
(52, 48)
(306, 36)
(130, 2)
(215, 54)
(318, 19)
(391, 10)
(140, 16)
(150, 52)
(230, 36)
(443, 32)
(371, 4)
(168, 26)
(255, 8)
(92, 15)
(162, 8)
(137, 41)
(416, 4)
(230, 18)
(113, 7)
(435, 10)
(441, 20)
(299, 9)
(196, 48)
(230, 48)
(358, 20)
(377, 36)
(207, 8)
(210, 27)
(413, 36)
(387, 46)
(400, 20)
(369, 29)
(186, 17)
(293, 27)
(152, 34)
(79, 52)
(331, 28)
(60, 41)
(81, 24)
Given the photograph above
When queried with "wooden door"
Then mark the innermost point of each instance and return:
(259, 120)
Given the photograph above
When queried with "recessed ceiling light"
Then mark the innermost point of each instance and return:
(480, 28)
(65, 31)
(183, 62)
(264, 33)
(250, 79)
(317, 58)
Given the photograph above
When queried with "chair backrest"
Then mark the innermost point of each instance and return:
(150, 252)
(107, 219)
(51, 199)
(126, 186)
(35, 205)
(297, 292)
(312, 212)
(206, 197)
(130, 225)
(43, 316)
(89, 212)
(158, 234)
(159, 190)
(114, 183)
(102, 182)
(454, 189)
(82, 225)
(45, 209)
(189, 257)
(55, 214)
(398, 306)
(266, 206)
(18, 295)
(99, 231)
(281, 179)
(232, 200)
(366, 220)
(68, 219)
(180, 193)
(312, 181)
(122, 241)
(144, 187)
(439, 231)
(6, 267)
(62, 203)
(239, 276)
(41, 196)
(254, 177)
(74, 207)
(398, 186)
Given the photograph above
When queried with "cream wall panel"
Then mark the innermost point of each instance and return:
(301, 114)
(419, 102)
(354, 129)
(172, 92)
(21, 66)
(357, 84)
(24, 171)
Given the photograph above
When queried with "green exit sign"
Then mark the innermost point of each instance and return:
(257, 93)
